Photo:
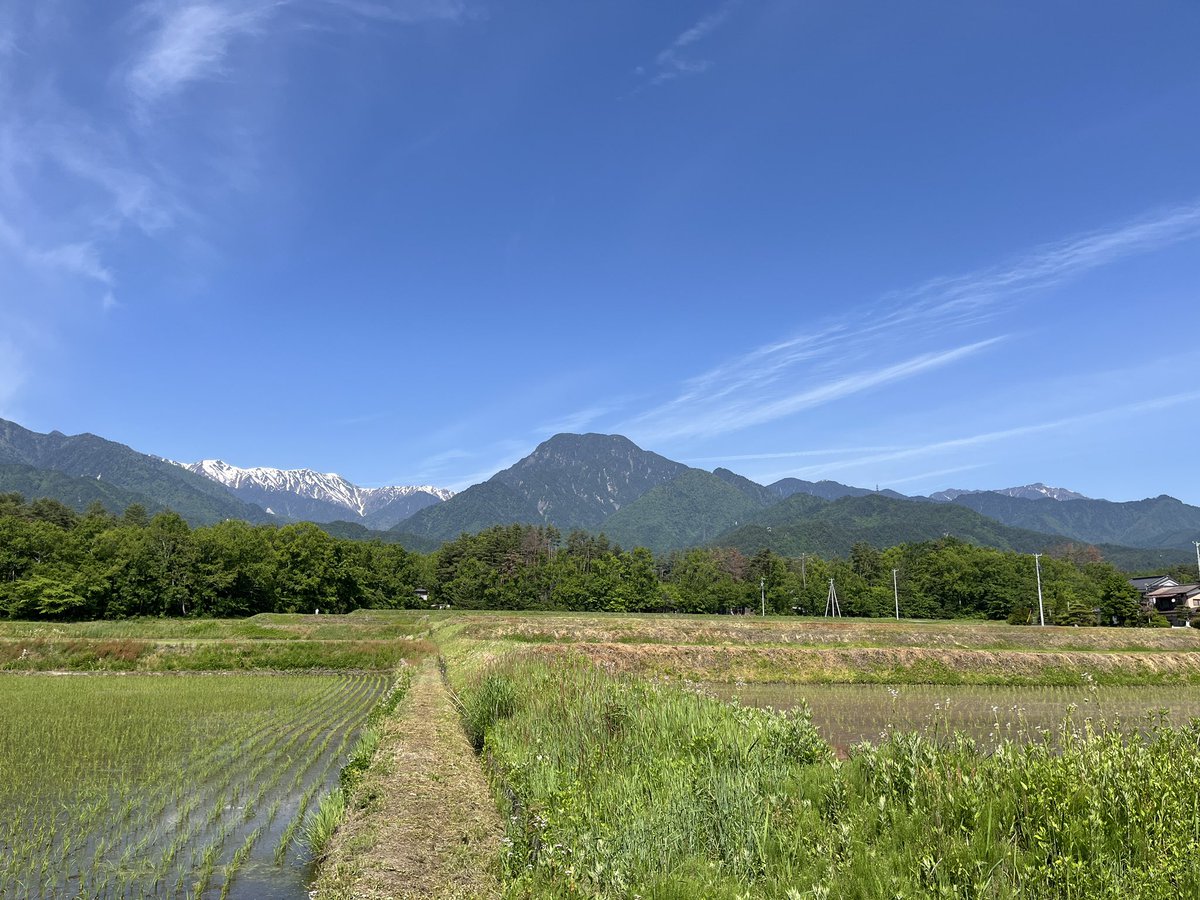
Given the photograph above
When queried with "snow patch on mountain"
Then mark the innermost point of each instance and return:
(1035, 491)
(326, 486)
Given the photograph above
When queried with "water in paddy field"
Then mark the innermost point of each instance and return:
(847, 714)
(227, 809)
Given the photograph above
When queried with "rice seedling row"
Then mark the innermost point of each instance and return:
(114, 786)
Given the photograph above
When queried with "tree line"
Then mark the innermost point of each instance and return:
(56, 563)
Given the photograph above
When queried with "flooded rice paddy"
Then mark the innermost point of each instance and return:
(169, 786)
(847, 714)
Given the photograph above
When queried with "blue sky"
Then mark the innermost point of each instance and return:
(917, 245)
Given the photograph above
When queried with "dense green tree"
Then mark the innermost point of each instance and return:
(135, 515)
(55, 563)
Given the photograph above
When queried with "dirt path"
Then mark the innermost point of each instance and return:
(423, 823)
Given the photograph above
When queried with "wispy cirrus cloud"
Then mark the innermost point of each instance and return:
(117, 143)
(404, 12)
(189, 42)
(998, 436)
(13, 374)
(787, 454)
(936, 473)
(849, 354)
(183, 43)
(751, 395)
(677, 59)
(575, 421)
(80, 259)
(971, 298)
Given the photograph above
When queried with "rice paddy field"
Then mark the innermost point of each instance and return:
(660, 756)
(169, 786)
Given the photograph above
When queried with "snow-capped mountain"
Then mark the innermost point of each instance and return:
(1035, 491)
(320, 496)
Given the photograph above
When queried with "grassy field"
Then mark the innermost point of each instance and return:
(814, 651)
(621, 774)
(847, 714)
(618, 762)
(617, 787)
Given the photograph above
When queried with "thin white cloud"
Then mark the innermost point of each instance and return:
(675, 60)
(193, 41)
(363, 419)
(759, 386)
(438, 461)
(79, 259)
(574, 422)
(502, 455)
(748, 402)
(189, 42)
(970, 298)
(788, 454)
(937, 473)
(975, 441)
(752, 413)
(404, 12)
(13, 375)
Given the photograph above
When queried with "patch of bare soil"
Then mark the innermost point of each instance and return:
(423, 823)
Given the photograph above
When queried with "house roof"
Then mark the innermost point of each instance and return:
(1150, 582)
(1175, 590)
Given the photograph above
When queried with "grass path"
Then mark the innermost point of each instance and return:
(423, 823)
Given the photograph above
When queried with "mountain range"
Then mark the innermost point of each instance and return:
(303, 494)
(121, 476)
(597, 482)
(638, 498)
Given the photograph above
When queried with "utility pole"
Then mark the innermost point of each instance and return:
(762, 590)
(1037, 564)
(804, 571)
(1197, 543)
(832, 607)
(896, 592)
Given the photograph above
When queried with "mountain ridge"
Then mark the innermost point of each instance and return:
(86, 455)
(592, 482)
(1034, 491)
(319, 496)
(569, 481)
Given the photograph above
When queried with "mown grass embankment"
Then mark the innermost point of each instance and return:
(130, 655)
(420, 820)
(907, 665)
(807, 651)
(375, 624)
(615, 787)
(819, 633)
(270, 642)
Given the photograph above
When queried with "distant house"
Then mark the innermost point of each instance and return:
(1178, 602)
(1152, 583)
(422, 596)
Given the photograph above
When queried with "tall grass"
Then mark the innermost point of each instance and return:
(618, 788)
